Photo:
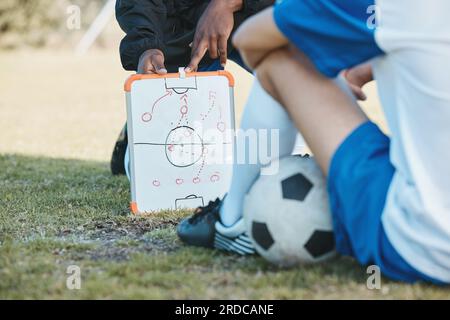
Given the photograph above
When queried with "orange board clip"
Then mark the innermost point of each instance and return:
(134, 208)
(135, 77)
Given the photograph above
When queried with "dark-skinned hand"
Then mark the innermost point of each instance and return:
(152, 61)
(213, 31)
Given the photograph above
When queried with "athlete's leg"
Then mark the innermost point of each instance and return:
(262, 112)
(325, 116)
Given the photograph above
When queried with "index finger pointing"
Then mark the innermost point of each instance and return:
(197, 56)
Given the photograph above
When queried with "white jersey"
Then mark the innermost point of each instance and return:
(414, 86)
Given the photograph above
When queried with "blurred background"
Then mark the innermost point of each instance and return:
(61, 84)
(56, 101)
(61, 97)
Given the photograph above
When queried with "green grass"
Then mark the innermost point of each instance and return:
(55, 213)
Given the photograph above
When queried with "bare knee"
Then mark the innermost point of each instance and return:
(282, 62)
(265, 70)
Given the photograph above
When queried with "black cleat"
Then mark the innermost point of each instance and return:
(204, 229)
(118, 155)
(199, 229)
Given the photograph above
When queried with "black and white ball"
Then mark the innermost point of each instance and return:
(287, 214)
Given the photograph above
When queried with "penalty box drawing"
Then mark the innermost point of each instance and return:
(181, 138)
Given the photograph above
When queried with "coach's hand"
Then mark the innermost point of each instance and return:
(152, 61)
(357, 77)
(213, 30)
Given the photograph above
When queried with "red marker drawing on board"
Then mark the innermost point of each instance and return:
(147, 117)
(184, 98)
(168, 93)
(156, 183)
(215, 177)
(221, 126)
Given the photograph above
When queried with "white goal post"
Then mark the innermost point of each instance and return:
(96, 28)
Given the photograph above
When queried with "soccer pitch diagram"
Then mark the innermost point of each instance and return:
(181, 140)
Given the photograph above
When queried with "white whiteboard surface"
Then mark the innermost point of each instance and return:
(180, 133)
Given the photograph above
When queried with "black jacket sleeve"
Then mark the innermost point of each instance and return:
(142, 21)
(250, 7)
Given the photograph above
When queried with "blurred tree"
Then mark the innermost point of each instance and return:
(40, 22)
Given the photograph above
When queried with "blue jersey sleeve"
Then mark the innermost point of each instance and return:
(334, 34)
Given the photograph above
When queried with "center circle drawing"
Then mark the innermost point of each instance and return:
(183, 147)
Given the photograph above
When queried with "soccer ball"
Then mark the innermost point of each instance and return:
(288, 216)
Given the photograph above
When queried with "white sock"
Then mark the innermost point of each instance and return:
(261, 112)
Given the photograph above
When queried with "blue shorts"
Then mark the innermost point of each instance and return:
(334, 34)
(358, 183)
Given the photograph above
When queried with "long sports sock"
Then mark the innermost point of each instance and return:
(261, 112)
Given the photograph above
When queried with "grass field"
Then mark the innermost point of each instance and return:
(60, 206)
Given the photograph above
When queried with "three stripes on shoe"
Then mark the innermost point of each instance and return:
(241, 245)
